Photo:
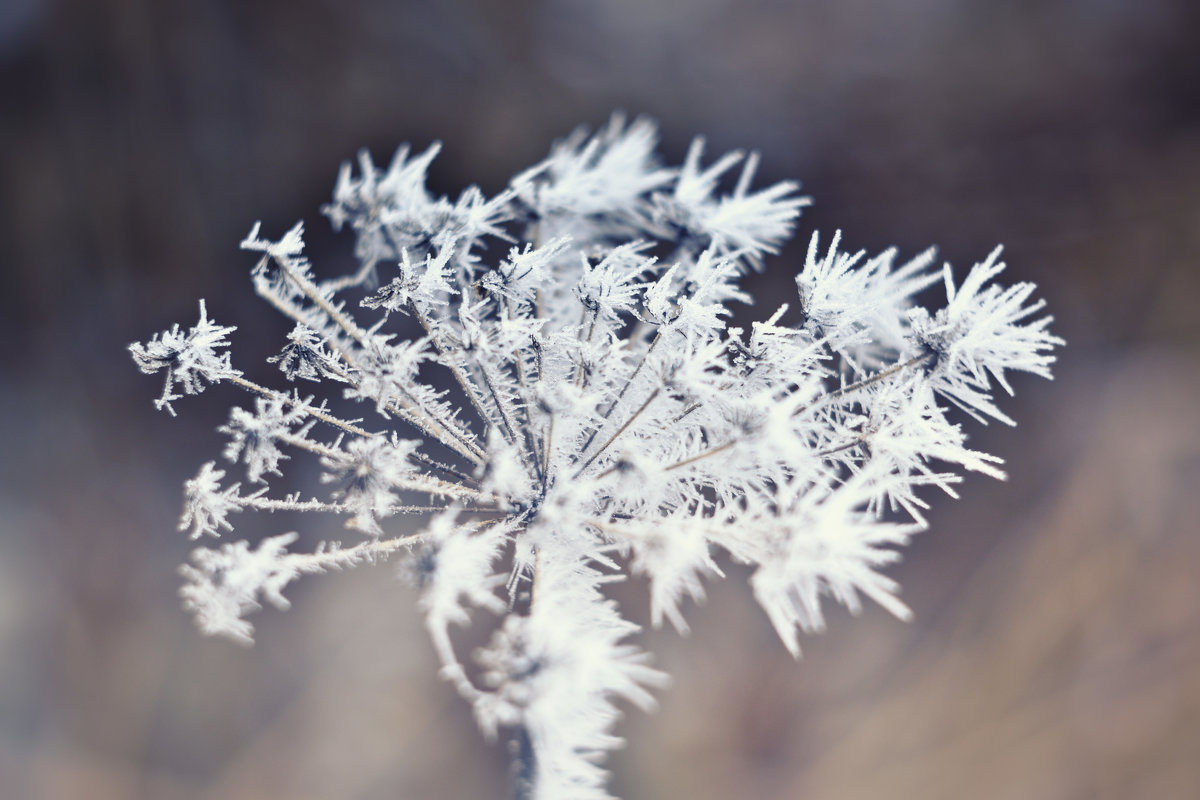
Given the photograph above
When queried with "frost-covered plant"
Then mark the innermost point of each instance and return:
(598, 416)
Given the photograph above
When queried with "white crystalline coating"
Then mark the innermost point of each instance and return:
(368, 472)
(223, 585)
(255, 437)
(188, 359)
(755, 223)
(983, 331)
(578, 404)
(601, 183)
(206, 505)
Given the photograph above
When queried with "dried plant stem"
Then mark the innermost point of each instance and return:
(313, 412)
(624, 427)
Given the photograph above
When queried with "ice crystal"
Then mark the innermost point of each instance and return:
(603, 418)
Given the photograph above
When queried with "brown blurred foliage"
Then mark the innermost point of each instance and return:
(1056, 652)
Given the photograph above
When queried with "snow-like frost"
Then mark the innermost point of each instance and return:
(607, 418)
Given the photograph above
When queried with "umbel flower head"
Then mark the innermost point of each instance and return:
(603, 418)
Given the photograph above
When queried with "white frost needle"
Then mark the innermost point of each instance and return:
(604, 418)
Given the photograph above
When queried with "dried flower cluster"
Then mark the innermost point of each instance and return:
(602, 418)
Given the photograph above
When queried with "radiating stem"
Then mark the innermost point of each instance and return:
(865, 382)
(620, 431)
(685, 412)
(418, 482)
(604, 417)
(459, 475)
(426, 422)
(712, 451)
(274, 504)
(472, 392)
(313, 293)
(316, 413)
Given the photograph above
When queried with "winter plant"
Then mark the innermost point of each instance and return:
(576, 407)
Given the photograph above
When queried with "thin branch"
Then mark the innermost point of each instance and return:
(847, 446)
(685, 412)
(419, 482)
(274, 504)
(876, 378)
(712, 451)
(313, 293)
(469, 388)
(620, 431)
(459, 475)
(302, 405)
(428, 423)
(604, 417)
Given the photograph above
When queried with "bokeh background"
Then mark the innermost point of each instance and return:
(1056, 647)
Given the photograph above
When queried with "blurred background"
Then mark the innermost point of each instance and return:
(1056, 647)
